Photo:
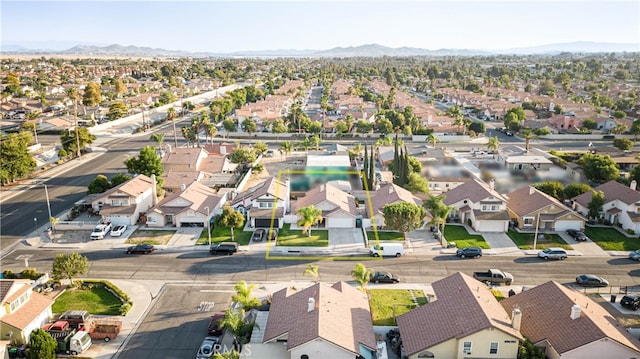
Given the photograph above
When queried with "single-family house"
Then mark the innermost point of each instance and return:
(124, 203)
(574, 326)
(320, 321)
(265, 204)
(478, 204)
(195, 205)
(22, 310)
(338, 207)
(387, 194)
(531, 208)
(621, 204)
(465, 321)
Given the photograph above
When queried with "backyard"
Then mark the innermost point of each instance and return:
(546, 240)
(155, 237)
(295, 237)
(610, 239)
(94, 299)
(387, 304)
(462, 238)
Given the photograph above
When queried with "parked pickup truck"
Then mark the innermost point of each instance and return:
(494, 276)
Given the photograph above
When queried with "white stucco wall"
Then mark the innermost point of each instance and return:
(320, 349)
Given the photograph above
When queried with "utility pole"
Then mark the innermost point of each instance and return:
(75, 102)
(144, 125)
(46, 192)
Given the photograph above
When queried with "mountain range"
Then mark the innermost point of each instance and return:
(369, 50)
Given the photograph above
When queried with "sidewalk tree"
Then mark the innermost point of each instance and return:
(417, 184)
(439, 211)
(243, 295)
(230, 219)
(599, 168)
(403, 217)
(99, 184)
(157, 138)
(71, 139)
(211, 130)
(15, 159)
(117, 110)
(493, 144)
(243, 155)
(361, 275)
(308, 217)
(312, 270)
(260, 147)
(249, 126)
(42, 345)
(433, 139)
(68, 266)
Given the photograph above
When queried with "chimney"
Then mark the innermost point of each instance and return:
(531, 190)
(183, 187)
(516, 318)
(633, 185)
(311, 304)
(575, 311)
(154, 191)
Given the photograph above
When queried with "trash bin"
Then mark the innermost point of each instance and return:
(13, 352)
(613, 298)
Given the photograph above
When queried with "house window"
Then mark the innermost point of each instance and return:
(120, 202)
(466, 347)
(493, 348)
(494, 208)
(528, 221)
(151, 219)
(265, 205)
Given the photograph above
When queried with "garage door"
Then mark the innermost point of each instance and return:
(266, 223)
(564, 225)
(491, 226)
(340, 223)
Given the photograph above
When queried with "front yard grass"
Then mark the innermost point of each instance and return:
(387, 304)
(223, 234)
(610, 239)
(295, 237)
(95, 300)
(525, 240)
(385, 235)
(145, 236)
(462, 238)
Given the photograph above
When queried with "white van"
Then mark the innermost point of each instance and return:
(80, 342)
(387, 249)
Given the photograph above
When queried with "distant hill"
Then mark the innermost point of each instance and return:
(369, 50)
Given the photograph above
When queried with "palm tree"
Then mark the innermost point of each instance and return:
(312, 270)
(211, 130)
(243, 295)
(235, 322)
(528, 135)
(158, 138)
(204, 123)
(439, 211)
(187, 133)
(233, 354)
(309, 216)
(493, 143)
(433, 139)
(285, 148)
(362, 275)
(195, 124)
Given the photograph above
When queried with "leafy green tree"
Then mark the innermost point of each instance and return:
(384, 126)
(635, 129)
(278, 126)
(599, 168)
(230, 219)
(552, 188)
(417, 184)
(117, 110)
(439, 211)
(619, 114)
(341, 126)
(71, 139)
(120, 87)
(147, 163)
(68, 266)
(243, 295)
(166, 97)
(232, 354)
(312, 270)
(363, 126)
(622, 144)
(527, 350)
(42, 345)
(92, 94)
(157, 138)
(361, 275)
(596, 203)
(249, 125)
(547, 88)
(99, 184)
(433, 139)
(119, 178)
(403, 217)
(260, 147)
(15, 159)
(575, 189)
(308, 217)
(229, 125)
(477, 127)
(243, 155)
(590, 124)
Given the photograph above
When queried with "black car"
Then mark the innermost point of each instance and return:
(469, 252)
(630, 301)
(227, 248)
(141, 249)
(577, 235)
(590, 280)
(383, 277)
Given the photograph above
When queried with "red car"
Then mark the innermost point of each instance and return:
(214, 327)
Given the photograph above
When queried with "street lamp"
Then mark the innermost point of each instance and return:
(208, 226)
(35, 222)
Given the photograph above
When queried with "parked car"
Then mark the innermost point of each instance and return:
(119, 230)
(383, 277)
(214, 327)
(577, 235)
(469, 252)
(258, 235)
(635, 255)
(553, 253)
(100, 231)
(207, 348)
(590, 280)
(630, 301)
(141, 249)
(227, 248)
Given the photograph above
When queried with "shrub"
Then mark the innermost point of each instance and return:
(8, 274)
(124, 309)
(630, 231)
(30, 273)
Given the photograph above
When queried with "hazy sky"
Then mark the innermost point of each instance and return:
(226, 26)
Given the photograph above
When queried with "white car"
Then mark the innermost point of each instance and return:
(207, 348)
(118, 230)
(100, 231)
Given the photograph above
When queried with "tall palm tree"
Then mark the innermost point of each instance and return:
(236, 322)
(493, 143)
(528, 135)
(195, 124)
(312, 270)
(433, 139)
(308, 217)
(285, 148)
(211, 130)
(361, 275)
(157, 138)
(187, 133)
(243, 295)
(204, 123)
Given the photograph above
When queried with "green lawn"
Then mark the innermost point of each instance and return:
(385, 236)
(295, 238)
(387, 304)
(525, 240)
(462, 238)
(222, 234)
(95, 300)
(610, 239)
(155, 237)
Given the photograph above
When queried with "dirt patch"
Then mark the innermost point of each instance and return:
(71, 236)
(155, 237)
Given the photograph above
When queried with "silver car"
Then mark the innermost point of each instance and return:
(635, 255)
(553, 253)
(207, 348)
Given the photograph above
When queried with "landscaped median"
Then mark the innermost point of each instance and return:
(545, 240)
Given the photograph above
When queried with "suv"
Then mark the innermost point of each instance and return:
(630, 301)
(577, 235)
(553, 253)
(227, 248)
(471, 252)
(100, 231)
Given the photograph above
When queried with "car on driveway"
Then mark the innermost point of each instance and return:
(227, 248)
(207, 348)
(590, 280)
(383, 277)
(630, 301)
(635, 255)
(553, 253)
(258, 235)
(100, 231)
(118, 230)
(577, 235)
(214, 327)
(141, 249)
(469, 252)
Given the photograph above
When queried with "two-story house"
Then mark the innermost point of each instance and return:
(478, 204)
(124, 203)
(531, 209)
(621, 204)
(195, 205)
(22, 310)
(265, 204)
